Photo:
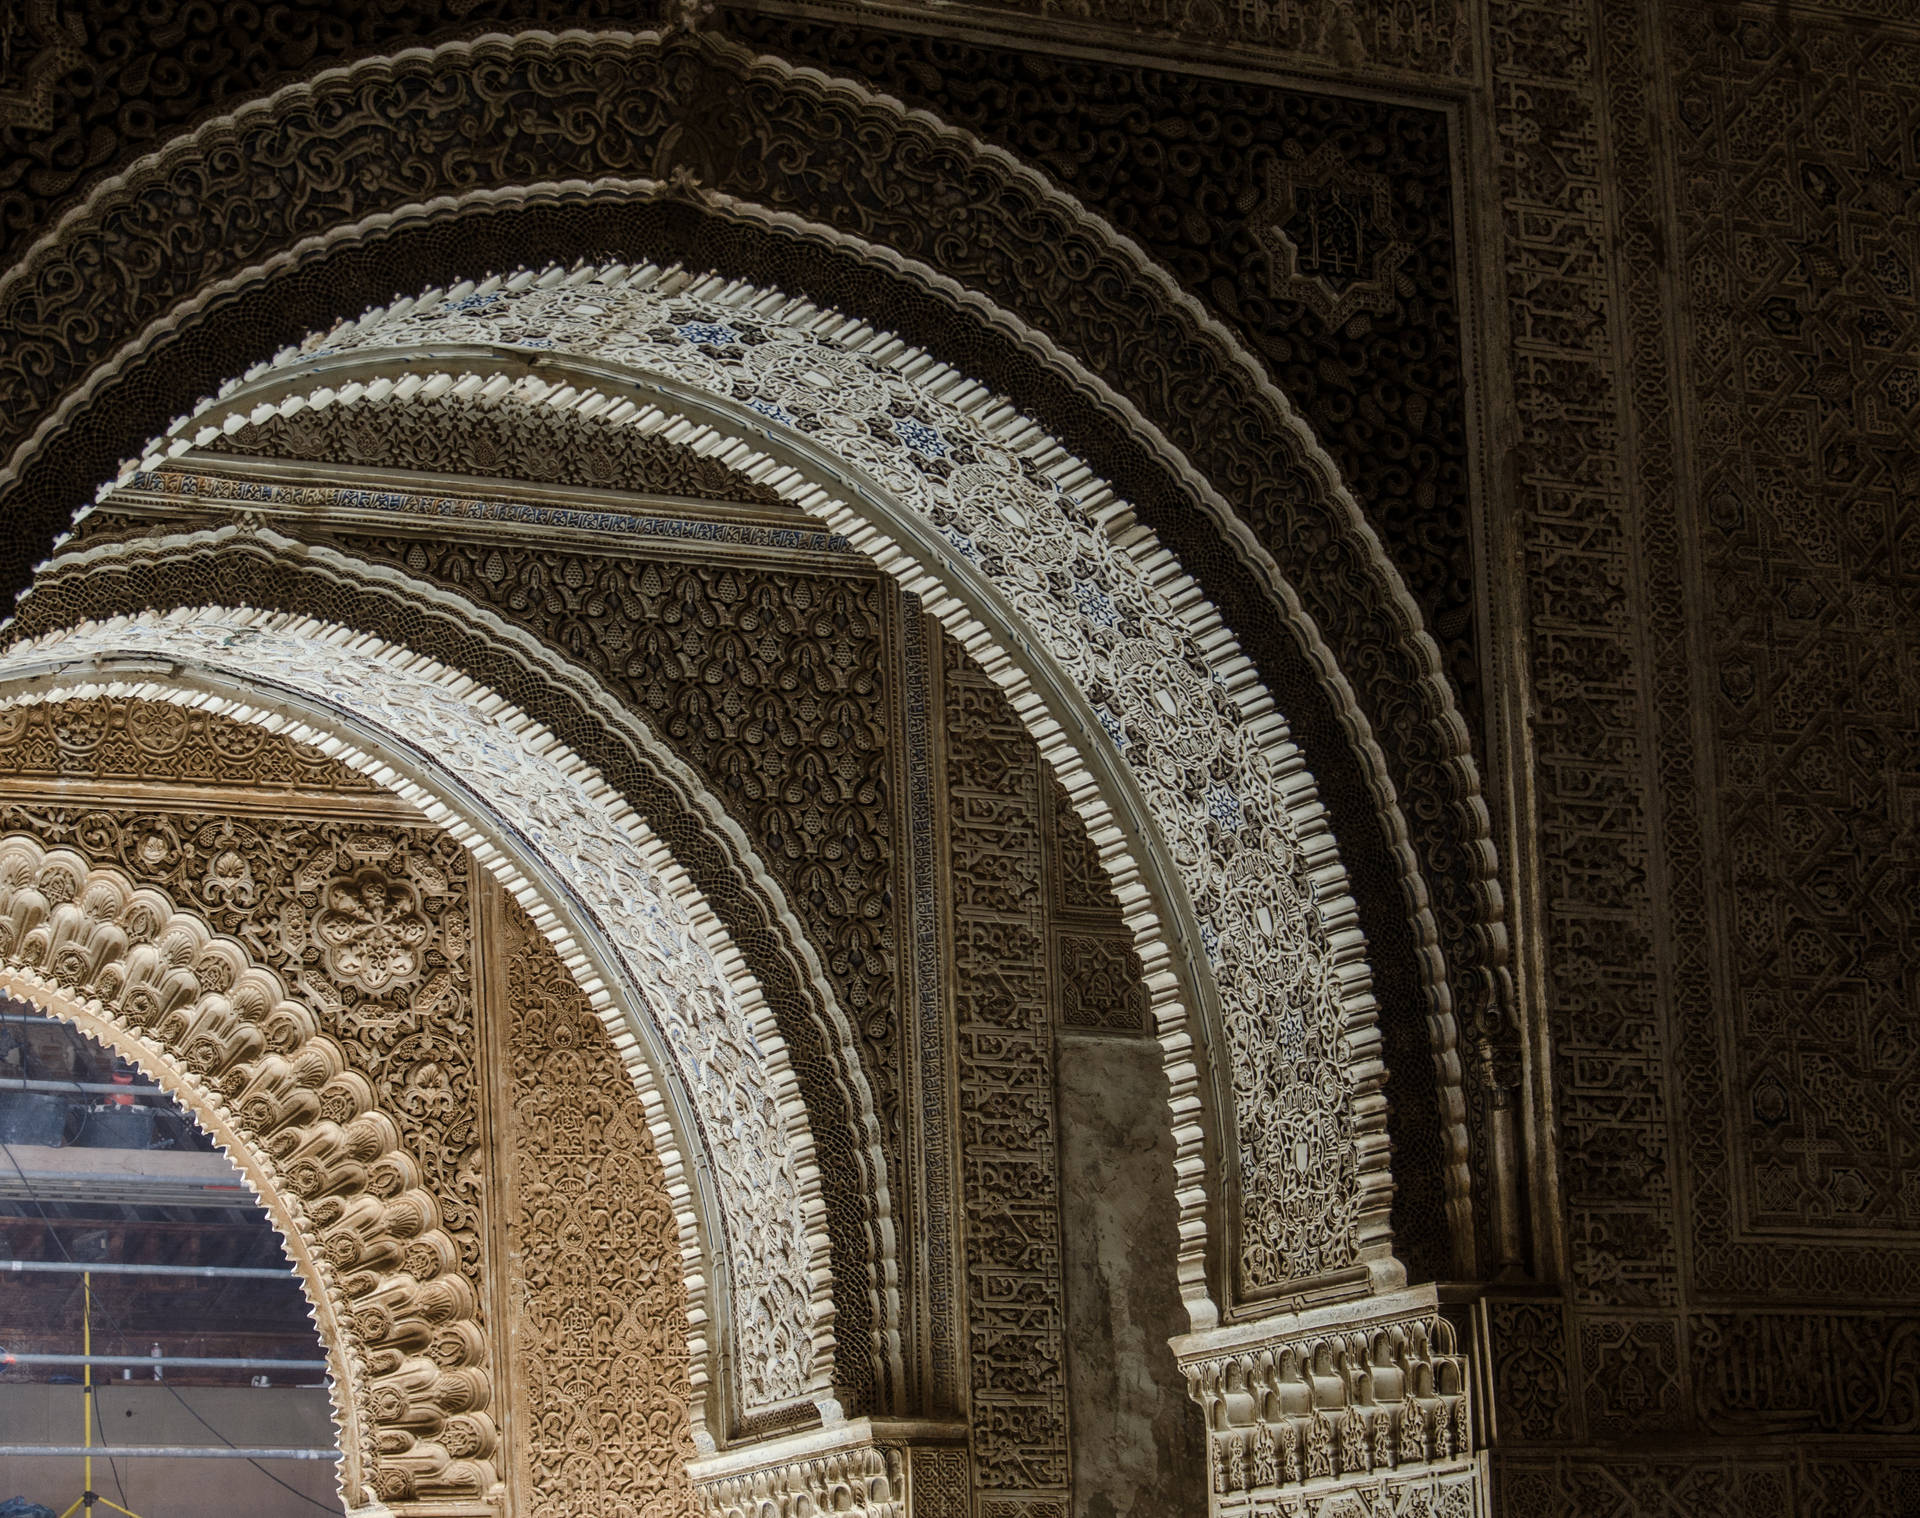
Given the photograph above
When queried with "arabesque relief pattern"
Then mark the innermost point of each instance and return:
(1713, 505)
(683, 104)
(1383, 1406)
(597, 1309)
(368, 926)
(322, 1118)
(1009, 1155)
(783, 139)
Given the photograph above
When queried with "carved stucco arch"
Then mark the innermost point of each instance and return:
(407, 1360)
(1167, 743)
(1012, 233)
(264, 569)
(684, 1014)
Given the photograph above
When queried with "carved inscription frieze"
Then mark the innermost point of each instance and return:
(502, 437)
(114, 739)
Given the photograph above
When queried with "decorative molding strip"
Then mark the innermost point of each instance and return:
(1349, 1395)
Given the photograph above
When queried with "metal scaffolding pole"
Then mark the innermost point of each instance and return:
(161, 1362)
(169, 1452)
(198, 1272)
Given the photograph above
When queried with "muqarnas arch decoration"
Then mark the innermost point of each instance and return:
(1185, 774)
(683, 1012)
(412, 1386)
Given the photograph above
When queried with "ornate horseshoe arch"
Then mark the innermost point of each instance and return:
(685, 1016)
(411, 1384)
(1444, 862)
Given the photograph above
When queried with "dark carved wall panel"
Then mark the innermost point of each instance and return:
(117, 77)
(1721, 595)
(1009, 1149)
(1319, 228)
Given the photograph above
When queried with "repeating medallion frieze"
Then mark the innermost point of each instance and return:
(115, 739)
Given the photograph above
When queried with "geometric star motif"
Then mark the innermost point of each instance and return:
(1328, 231)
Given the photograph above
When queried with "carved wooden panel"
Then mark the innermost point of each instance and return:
(597, 1311)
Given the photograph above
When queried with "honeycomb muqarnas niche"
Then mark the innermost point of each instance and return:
(1259, 666)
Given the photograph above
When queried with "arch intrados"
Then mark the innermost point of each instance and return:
(134, 657)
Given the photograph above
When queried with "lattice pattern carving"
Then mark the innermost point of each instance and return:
(317, 1124)
(1009, 1159)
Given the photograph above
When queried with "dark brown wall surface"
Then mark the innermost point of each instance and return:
(1713, 255)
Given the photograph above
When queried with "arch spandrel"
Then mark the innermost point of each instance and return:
(682, 1012)
(1048, 252)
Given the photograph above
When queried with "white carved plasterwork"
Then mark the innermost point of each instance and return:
(688, 1016)
(997, 505)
